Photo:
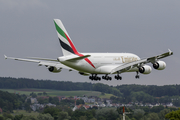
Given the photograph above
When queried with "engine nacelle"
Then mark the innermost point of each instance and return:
(146, 69)
(54, 69)
(85, 74)
(159, 65)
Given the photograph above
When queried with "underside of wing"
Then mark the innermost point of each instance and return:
(128, 66)
(52, 64)
(45, 59)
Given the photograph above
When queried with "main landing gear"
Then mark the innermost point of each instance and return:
(94, 77)
(137, 76)
(106, 77)
(118, 77)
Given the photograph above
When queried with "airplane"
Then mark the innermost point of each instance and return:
(95, 64)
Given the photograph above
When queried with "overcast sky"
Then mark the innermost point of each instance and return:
(143, 27)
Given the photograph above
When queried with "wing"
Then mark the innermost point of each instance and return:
(139, 63)
(42, 61)
(155, 58)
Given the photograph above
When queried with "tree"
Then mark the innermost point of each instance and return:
(33, 95)
(43, 101)
(176, 102)
(27, 105)
(162, 113)
(44, 93)
(153, 116)
(107, 113)
(78, 113)
(83, 118)
(63, 116)
(8, 115)
(53, 111)
(78, 102)
(174, 115)
(138, 113)
(157, 109)
(29, 118)
(29, 101)
(18, 117)
(89, 114)
(45, 117)
(146, 109)
(144, 118)
(16, 104)
(1, 117)
(93, 119)
(101, 118)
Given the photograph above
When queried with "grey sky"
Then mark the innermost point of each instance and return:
(143, 27)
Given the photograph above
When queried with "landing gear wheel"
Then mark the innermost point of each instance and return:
(137, 76)
(118, 77)
(106, 77)
(94, 77)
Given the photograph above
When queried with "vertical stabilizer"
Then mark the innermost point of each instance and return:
(67, 45)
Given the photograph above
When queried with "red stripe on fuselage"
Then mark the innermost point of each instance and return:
(76, 52)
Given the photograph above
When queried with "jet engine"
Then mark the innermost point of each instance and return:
(146, 69)
(85, 74)
(54, 69)
(159, 65)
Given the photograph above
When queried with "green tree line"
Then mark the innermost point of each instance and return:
(66, 113)
(153, 90)
(16, 83)
(125, 90)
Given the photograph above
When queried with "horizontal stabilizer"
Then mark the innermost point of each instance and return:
(78, 58)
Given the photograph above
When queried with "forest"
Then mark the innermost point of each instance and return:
(119, 91)
(125, 90)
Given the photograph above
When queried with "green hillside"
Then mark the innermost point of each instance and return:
(27, 91)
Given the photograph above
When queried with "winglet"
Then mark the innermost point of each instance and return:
(5, 56)
(170, 52)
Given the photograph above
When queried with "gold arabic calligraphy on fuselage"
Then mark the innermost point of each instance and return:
(125, 59)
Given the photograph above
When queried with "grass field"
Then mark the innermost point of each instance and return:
(27, 91)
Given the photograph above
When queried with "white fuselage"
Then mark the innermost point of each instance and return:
(102, 62)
